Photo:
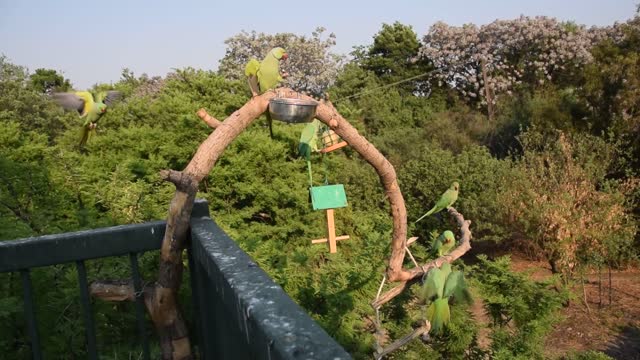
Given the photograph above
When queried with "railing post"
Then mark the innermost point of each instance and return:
(30, 314)
(137, 286)
(196, 300)
(86, 309)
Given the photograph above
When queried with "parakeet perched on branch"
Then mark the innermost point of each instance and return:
(443, 244)
(89, 108)
(265, 75)
(447, 199)
(441, 284)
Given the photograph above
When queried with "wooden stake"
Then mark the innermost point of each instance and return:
(331, 233)
(324, 240)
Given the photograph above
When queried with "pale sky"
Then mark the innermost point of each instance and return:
(90, 42)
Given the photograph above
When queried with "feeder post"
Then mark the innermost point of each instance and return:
(331, 232)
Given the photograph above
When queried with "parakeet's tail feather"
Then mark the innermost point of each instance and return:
(85, 136)
(427, 214)
(253, 85)
(269, 121)
(310, 174)
(439, 315)
(436, 244)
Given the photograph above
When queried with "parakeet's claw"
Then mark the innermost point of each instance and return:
(425, 337)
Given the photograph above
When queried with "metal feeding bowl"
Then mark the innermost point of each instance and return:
(292, 110)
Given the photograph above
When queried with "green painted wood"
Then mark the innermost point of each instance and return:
(328, 197)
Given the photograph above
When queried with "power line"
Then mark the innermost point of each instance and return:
(388, 85)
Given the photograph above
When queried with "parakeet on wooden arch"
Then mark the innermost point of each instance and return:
(264, 76)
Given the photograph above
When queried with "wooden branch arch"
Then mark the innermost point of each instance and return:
(161, 298)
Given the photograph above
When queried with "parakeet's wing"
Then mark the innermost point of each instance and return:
(108, 97)
(251, 69)
(456, 286)
(436, 244)
(69, 101)
(85, 133)
(433, 285)
(447, 199)
(87, 97)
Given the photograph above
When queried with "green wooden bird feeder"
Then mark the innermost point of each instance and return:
(329, 197)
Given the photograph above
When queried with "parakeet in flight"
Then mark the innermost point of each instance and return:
(89, 108)
(441, 284)
(443, 244)
(447, 199)
(265, 75)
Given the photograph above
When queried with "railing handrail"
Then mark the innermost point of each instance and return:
(87, 244)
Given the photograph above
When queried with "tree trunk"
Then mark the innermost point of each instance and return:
(599, 286)
(610, 285)
(488, 91)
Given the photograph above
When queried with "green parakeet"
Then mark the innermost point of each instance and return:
(265, 75)
(309, 143)
(90, 109)
(439, 285)
(309, 139)
(447, 199)
(443, 244)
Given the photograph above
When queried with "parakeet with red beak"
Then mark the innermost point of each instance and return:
(264, 76)
(443, 244)
(88, 108)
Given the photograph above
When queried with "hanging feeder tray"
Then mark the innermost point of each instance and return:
(331, 141)
(292, 111)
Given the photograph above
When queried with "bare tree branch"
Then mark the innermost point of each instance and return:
(113, 290)
(208, 119)
(403, 340)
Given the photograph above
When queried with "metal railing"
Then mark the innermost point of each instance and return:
(239, 311)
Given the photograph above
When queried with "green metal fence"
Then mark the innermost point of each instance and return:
(239, 312)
